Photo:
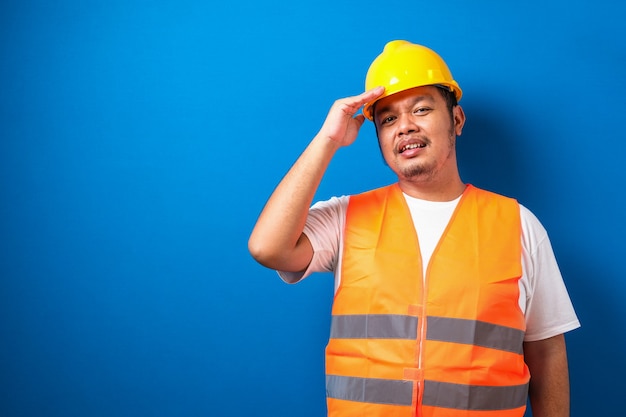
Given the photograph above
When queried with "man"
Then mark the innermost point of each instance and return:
(448, 301)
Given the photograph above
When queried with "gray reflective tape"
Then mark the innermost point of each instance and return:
(478, 333)
(436, 394)
(395, 326)
(474, 397)
(369, 390)
(373, 326)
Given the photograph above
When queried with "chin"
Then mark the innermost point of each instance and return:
(413, 170)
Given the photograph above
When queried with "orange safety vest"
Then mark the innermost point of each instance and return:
(446, 345)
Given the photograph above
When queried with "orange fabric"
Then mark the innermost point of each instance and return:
(473, 274)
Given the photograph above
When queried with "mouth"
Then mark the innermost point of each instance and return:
(410, 145)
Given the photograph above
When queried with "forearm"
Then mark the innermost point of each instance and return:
(549, 377)
(276, 238)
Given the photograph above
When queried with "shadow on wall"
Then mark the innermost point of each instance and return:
(596, 350)
(491, 156)
(486, 152)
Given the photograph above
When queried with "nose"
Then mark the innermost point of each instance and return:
(406, 124)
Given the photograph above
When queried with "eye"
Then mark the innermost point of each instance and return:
(387, 119)
(422, 110)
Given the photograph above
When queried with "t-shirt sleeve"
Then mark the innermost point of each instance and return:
(549, 310)
(324, 228)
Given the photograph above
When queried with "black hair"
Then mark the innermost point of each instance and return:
(450, 98)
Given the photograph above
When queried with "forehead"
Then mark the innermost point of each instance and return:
(407, 98)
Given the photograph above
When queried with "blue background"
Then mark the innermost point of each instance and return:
(139, 141)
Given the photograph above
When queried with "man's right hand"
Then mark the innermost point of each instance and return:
(341, 124)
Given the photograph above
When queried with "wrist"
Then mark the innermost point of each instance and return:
(327, 142)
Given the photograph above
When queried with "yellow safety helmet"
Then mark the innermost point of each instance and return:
(404, 65)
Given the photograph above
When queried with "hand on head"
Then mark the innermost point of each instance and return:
(341, 124)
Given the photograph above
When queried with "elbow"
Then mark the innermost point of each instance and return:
(261, 253)
(279, 256)
(256, 249)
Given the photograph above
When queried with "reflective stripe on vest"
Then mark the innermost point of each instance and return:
(444, 329)
(449, 344)
(436, 394)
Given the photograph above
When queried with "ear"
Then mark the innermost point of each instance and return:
(459, 119)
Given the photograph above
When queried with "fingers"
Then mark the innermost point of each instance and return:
(356, 102)
(341, 124)
(373, 94)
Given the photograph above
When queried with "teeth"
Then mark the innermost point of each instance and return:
(411, 146)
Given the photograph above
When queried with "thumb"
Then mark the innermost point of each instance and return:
(359, 119)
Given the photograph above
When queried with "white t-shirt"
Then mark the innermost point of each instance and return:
(543, 297)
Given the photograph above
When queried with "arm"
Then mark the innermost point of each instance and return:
(549, 377)
(277, 240)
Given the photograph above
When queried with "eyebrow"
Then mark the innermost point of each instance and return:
(416, 100)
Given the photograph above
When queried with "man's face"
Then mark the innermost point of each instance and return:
(417, 135)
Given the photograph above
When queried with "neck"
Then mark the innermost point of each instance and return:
(433, 190)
